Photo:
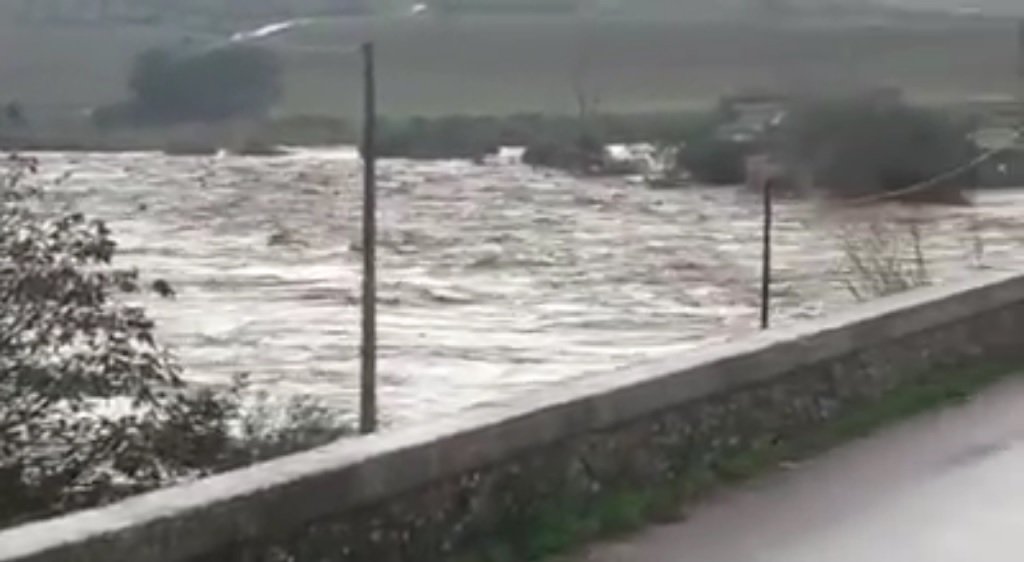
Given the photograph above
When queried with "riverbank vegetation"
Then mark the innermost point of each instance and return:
(850, 148)
(857, 148)
(92, 407)
(561, 526)
(503, 65)
(196, 102)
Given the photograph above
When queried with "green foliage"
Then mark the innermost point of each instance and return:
(859, 147)
(307, 130)
(553, 140)
(188, 138)
(661, 128)
(210, 86)
(882, 257)
(265, 428)
(447, 137)
(92, 408)
(581, 155)
(708, 158)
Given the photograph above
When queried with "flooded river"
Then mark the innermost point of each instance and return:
(495, 279)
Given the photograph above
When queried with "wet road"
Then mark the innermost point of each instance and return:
(947, 487)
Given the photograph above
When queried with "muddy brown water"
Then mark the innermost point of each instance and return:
(495, 279)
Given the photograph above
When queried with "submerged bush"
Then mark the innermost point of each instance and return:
(860, 147)
(581, 155)
(881, 257)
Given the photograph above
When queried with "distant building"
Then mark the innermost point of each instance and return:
(996, 122)
(751, 116)
(1005, 168)
(992, 112)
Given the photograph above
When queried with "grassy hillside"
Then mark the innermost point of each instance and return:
(473, 65)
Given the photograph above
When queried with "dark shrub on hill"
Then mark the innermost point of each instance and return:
(209, 86)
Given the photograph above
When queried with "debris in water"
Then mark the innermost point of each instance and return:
(164, 289)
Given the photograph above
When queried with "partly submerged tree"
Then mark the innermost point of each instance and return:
(881, 256)
(91, 407)
(862, 146)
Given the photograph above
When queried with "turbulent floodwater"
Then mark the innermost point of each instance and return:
(495, 279)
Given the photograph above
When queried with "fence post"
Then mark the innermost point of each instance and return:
(368, 371)
(766, 257)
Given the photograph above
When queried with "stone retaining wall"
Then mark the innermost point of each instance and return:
(661, 431)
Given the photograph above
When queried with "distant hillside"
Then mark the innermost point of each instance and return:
(192, 11)
(482, 64)
(502, 65)
(221, 11)
(990, 7)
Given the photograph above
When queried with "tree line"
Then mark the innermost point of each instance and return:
(220, 84)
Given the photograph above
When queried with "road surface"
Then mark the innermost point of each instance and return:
(945, 487)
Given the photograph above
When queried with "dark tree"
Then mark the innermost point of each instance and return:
(857, 147)
(211, 86)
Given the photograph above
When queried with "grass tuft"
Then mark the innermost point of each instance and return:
(561, 526)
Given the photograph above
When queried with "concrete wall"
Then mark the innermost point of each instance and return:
(424, 493)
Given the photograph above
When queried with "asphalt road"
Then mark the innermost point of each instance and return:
(944, 487)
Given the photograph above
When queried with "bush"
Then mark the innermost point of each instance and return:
(581, 155)
(715, 162)
(444, 137)
(307, 130)
(882, 257)
(268, 428)
(458, 136)
(703, 155)
(92, 408)
(859, 147)
(215, 85)
(552, 138)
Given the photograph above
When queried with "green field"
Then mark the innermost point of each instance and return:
(505, 65)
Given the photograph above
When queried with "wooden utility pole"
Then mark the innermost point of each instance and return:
(368, 372)
(766, 257)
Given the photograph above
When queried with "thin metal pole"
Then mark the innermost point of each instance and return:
(766, 258)
(368, 379)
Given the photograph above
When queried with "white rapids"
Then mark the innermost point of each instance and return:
(494, 279)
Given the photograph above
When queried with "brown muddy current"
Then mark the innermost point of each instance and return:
(494, 279)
